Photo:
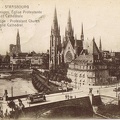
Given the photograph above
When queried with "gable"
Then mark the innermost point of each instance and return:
(69, 47)
(93, 49)
(69, 52)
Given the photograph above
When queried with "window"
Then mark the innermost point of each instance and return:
(90, 67)
(83, 67)
(80, 75)
(75, 74)
(83, 75)
(52, 42)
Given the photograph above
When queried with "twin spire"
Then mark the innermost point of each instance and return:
(69, 32)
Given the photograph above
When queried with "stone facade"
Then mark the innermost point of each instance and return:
(69, 48)
(88, 69)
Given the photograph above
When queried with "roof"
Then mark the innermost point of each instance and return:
(84, 59)
(79, 43)
(22, 54)
(92, 48)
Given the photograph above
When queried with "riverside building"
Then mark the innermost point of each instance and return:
(88, 68)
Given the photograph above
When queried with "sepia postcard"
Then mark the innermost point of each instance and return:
(59, 59)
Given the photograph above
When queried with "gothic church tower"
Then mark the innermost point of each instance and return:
(18, 46)
(55, 43)
(69, 32)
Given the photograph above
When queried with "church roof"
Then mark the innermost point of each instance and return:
(78, 43)
(84, 59)
(88, 56)
(92, 48)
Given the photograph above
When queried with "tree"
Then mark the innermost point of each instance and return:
(60, 73)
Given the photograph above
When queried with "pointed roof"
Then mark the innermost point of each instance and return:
(55, 21)
(18, 38)
(82, 30)
(100, 45)
(93, 49)
(18, 33)
(69, 30)
(75, 41)
(69, 23)
(82, 34)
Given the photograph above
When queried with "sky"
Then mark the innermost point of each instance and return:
(100, 18)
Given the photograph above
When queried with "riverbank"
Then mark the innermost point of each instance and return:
(15, 70)
(25, 74)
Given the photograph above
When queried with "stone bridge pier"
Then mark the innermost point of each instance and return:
(84, 104)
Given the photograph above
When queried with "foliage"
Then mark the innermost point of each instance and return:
(45, 61)
(60, 73)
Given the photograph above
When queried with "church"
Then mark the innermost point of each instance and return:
(16, 49)
(85, 65)
(69, 48)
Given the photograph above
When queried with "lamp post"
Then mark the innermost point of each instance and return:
(12, 66)
(119, 100)
(116, 89)
(12, 90)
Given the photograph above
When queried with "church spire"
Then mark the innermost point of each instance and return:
(55, 43)
(100, 45)
(55, 23)
(69, 23)
(69, 30)
(75, 46)
(18, 33)
(18, 38)
(18, 46)
(75, 41)
(82, 34)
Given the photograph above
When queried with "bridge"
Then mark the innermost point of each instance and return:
(78, 99)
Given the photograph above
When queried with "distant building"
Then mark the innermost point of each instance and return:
(15, 49)
(106, 54)
(36, 61)
(30, 60)
(89, 68)
(12, 49)
(113, 63)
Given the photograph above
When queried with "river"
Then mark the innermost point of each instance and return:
(20, 86)
(23, 86)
